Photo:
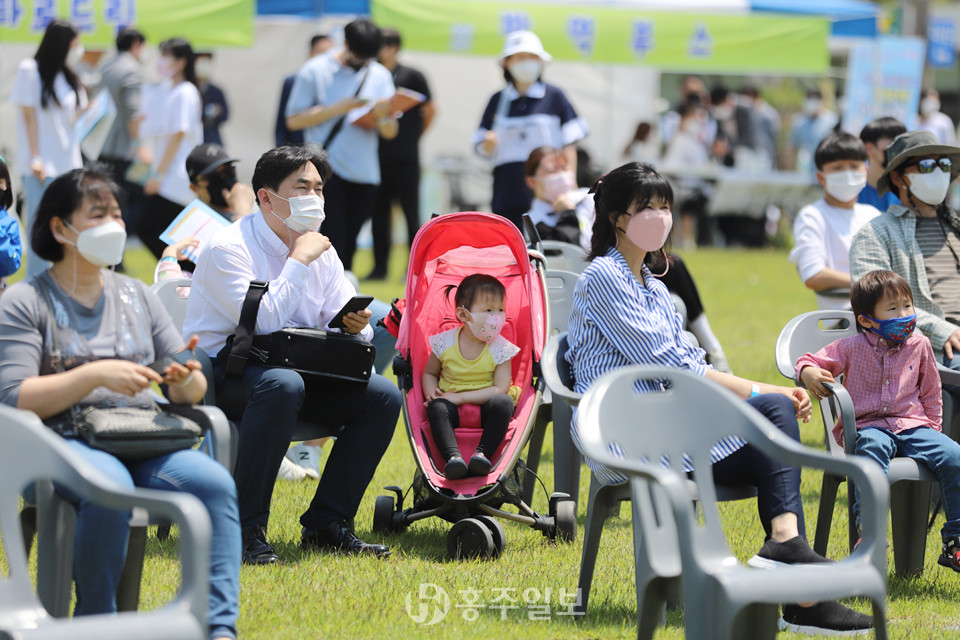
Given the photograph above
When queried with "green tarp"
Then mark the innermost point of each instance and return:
(732, 42)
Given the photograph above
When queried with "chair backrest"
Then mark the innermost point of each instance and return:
(32, 453)
(679, 423)
(556, 370)
(175, 305)
(564, 256)
(560, 286)
(810, 332)
(807, 333)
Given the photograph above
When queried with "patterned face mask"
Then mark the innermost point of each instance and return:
(485, 326)
(895, 330)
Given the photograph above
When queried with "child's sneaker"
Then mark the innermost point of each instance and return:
(455, 469)
(479, 464)
(950, 557)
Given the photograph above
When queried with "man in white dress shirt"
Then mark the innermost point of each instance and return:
(307, 288)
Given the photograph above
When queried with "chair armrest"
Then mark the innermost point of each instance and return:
(848, 415)
(222, 450)
(948, 376)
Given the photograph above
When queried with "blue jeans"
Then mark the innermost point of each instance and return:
(266, 405)
(939, 452)
(33, 189)
(101, 539)
(778, 484)
(385, 343)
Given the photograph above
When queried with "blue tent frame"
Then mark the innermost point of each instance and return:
(850, 18)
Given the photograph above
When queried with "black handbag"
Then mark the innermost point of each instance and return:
(129, 433)
(307, 351)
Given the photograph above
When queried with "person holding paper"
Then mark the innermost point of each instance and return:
(50, 97)
(525, 115)
(169, 187)
(400, 157)
(307, 288)
(331, 92)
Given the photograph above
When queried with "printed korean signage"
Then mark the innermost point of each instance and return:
(205, 24)
(679, 41)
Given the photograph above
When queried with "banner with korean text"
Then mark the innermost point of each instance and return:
(205, 23)
(734, 42)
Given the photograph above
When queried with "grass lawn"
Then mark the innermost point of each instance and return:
(749, 296)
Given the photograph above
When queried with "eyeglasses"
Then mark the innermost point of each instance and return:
(927, 165)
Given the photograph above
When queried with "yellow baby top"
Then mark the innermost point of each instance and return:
(459, 374)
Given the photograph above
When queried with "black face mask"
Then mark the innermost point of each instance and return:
(355, 63)
(219, 181)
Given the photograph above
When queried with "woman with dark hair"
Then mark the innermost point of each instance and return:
(108, 329)
(50, 96)
(622, 316)
(169, 186)
(527, 114)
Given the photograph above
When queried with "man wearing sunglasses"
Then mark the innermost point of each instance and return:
(919, 238)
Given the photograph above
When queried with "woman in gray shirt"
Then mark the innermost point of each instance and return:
(109, 327)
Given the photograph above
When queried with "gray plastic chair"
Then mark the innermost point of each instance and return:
(604, 500)
(176, 306)
(721, 597)
(566, 458)
(32, 454)
(54, 522)
(910, 481)
(564, 256)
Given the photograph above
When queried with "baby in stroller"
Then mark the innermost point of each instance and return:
(471, 366)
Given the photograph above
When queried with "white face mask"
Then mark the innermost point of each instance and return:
(845, 185)
(811, 106)
(526, 71)
(306, 213)
(929, 106)
(202, 68)
(101, 245)
(556, 184)
(929, 188)
(75, 56)
(165, 67)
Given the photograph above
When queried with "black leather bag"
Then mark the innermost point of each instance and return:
(307, 351)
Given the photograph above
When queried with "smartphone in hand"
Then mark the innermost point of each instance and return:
(160, 365)
(354, 304)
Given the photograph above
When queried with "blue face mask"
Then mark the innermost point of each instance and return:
(895, 330)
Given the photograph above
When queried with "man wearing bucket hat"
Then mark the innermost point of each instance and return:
(525, 115)
(920, 238)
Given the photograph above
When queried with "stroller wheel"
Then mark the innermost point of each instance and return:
(565, 520)
(383, 514)
(496, 529)
(470, 538)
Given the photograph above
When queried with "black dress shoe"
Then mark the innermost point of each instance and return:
(337, 536)
(256, 549)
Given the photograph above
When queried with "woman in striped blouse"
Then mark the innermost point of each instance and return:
(622, 315)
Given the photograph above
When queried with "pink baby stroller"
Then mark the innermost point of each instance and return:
(445, 250)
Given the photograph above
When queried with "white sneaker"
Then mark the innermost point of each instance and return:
(290, 471)
(307, 458)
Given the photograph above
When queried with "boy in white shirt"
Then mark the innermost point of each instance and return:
(823, 230)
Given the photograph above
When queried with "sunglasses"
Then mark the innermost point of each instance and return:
(927, 165)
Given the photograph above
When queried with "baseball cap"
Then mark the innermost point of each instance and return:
(206, 158)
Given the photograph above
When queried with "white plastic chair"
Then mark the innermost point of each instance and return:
(32, 454)
(564, 256)
(910, 481)
(175, 305)
(721, 597)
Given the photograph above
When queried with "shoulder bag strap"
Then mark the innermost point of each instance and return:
(243, 337)
(339, 124)
(55, 355)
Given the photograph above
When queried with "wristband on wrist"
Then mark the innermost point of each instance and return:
(754, 390)
(168, 259)
(186, 381)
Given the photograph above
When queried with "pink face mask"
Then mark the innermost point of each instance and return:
(557, 184)
(486, 326)
(648, 229)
